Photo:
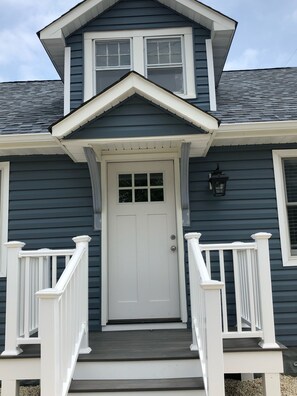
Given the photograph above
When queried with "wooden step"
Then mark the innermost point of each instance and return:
(176, 386)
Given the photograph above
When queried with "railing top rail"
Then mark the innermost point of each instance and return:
(46, 253)
(228, 246)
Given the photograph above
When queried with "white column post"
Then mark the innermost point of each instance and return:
(10, 387)
(265, 290)
(84, 241)
(271, 384)
(192, 237)
(12, 299)
(214, 339)
(49, 334)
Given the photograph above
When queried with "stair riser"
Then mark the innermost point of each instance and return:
(144, 393)
(146, 369)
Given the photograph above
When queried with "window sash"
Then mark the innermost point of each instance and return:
(138, 63)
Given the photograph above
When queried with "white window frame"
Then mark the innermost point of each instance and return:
(4, 188)
(139, 62)
(280, 187)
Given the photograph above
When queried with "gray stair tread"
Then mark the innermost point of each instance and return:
(137, 385)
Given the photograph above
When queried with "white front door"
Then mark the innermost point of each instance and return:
(142, 253)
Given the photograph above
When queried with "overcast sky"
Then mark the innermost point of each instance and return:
(266, 35)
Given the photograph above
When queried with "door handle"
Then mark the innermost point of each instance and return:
(173, 248)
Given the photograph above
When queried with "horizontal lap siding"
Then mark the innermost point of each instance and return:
(139, 14)
(248, 207)
(50, 203)
(135, 117)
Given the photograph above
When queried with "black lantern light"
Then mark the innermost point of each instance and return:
(217, 182)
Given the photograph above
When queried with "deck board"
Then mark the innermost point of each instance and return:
(145, 345)
(137, 385)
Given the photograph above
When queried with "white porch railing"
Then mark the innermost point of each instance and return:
(206, 319)
(27, 272)
(64, 323)
(249, 264)
(248, 267)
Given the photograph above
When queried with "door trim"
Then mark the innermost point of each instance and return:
(105, 160)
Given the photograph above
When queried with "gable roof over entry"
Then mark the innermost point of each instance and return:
(222, 27)
(198, 127)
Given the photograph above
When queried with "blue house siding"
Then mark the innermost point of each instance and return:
(139, 14)
(135, 117)
(50, 203)
(248, 207)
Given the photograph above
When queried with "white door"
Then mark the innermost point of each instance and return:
(142, 252)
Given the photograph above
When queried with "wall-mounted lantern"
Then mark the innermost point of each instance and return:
(217, 182)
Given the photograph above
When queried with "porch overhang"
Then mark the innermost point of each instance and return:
(202, 125)
(222, 27)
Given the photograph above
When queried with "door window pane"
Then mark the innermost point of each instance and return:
(125, 196)
(141, 195)
(140, 179)
(156, 179)
(157, 195)
(125, 180)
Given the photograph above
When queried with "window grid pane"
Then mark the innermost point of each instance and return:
(140, 187)
(113, 54)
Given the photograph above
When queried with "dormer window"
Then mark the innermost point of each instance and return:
(163, 56)
(164, 63)
(113, 61)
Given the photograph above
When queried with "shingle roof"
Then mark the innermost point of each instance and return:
(242, 96)
(30, 106)
(257, 95)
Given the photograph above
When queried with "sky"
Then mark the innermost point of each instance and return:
(266, 35)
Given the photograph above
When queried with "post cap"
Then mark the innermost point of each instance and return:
(193, 235)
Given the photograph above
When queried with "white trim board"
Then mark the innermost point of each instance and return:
(280, 188)
(266, 132)
(4, 206)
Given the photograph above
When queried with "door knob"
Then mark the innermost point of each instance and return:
(173, 248)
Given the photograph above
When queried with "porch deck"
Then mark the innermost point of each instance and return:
(145, 345)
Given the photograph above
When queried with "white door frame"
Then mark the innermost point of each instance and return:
(104, 232)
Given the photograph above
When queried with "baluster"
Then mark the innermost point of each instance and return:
(223, 290)
(237, 285)
(251, 291)
(27, 299)
(54, 271)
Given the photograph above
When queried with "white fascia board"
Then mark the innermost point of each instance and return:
(190, 8)
(256, 130)
(40, 139)
(58, 25)
(134, 84)
(197, 11)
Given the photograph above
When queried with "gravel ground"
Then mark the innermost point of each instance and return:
(254, 388)
(233, 388)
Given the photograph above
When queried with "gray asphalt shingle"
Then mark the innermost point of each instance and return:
(242, 96)
(257, 95)
(30, 106)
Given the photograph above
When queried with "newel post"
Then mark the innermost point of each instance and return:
(12, 299)
(84, 242)
(214, 338)
(265, 289)
(48, 331)
(192, 238)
